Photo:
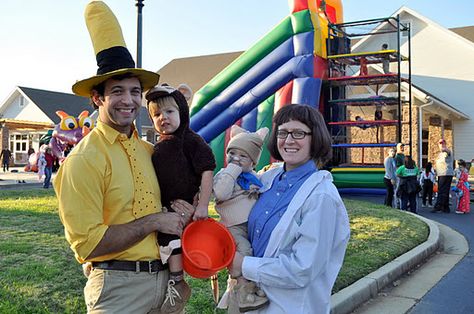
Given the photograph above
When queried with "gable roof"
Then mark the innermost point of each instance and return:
(50, 102)
(431, 22)
(195, 71)
(465, 34)
(465, 31)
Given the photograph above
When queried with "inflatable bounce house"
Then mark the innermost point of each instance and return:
(304, 60)
(288, 65)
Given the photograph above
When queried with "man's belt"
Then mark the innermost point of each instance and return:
(138, 266)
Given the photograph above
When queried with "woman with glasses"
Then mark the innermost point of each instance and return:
(299, 226)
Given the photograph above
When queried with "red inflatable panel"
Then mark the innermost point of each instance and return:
(297, 5)
(320, 68)
(283, 96)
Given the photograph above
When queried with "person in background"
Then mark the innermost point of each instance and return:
(236, 189)
(31, 150)
(399, 161)
(444, 171)
(390, 176)
(400, 155)
(363, 67)
(386, 60)
(6, 154)
(409, 186)
(41, 163)
(299, 226)
(48, 169)
(462, 186)
(184, 165)
(427, 180)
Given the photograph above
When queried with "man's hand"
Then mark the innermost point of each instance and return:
(172, 223)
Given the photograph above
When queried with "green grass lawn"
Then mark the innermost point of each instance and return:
(38, 273)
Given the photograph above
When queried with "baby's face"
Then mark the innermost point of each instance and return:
(240, 158)
(166, 119)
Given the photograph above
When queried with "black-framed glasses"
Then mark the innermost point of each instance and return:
(296, 134)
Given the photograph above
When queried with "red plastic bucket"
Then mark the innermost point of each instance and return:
(208, 247)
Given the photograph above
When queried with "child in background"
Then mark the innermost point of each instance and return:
(409, 186)
(463, 187)
(184, 166)
(385, 61)
(236, 189)
(41, 163)
(363, 67)
(427, 180)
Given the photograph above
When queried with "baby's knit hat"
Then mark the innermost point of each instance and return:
(249, 142)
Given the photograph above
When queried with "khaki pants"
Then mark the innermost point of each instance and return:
(113, 291)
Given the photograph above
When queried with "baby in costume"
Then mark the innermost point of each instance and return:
(236, 189)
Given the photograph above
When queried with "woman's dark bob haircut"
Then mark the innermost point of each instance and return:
(321, 150)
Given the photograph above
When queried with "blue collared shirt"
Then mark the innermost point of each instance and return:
(273, 203)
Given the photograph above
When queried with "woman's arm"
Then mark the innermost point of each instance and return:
(312, 246)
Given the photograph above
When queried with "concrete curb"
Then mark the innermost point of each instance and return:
(351, 297)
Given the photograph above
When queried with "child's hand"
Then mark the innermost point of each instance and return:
(200, 213)
(86, 269)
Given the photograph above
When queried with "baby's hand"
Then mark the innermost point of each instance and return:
(200, 213)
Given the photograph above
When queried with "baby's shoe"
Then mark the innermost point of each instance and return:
(177, 294)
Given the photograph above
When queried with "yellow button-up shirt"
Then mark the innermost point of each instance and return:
(107, 179)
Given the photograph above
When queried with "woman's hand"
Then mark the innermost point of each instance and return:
(235, 269)
(184, 209)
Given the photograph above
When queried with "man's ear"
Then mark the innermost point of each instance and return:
(96, 98)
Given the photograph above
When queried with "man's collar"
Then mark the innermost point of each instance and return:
(111, 134)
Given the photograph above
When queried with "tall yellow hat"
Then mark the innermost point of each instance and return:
(112, 55)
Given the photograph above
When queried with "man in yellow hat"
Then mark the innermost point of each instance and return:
(109, 197)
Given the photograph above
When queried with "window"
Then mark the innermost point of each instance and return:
(22, 102)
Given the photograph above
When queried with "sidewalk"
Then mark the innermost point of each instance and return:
(13, 179)
(373, 286)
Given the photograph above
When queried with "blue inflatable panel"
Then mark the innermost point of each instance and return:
(265, 67)
(306, 91)
(249, 121)
(301, 66)
(365, 191)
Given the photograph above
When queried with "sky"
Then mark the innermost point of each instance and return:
(45, 44)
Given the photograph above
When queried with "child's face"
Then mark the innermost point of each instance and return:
(240, 158)
(166, 119)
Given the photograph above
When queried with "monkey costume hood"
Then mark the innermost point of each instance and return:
(179, 158)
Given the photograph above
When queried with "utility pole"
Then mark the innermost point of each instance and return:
(139, 4)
